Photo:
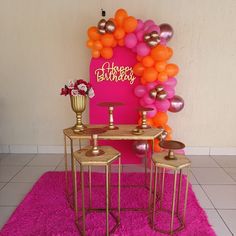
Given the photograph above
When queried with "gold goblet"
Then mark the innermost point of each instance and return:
(78, 104)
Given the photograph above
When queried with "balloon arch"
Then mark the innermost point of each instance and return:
(157, 77)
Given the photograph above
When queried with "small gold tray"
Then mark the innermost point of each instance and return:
(137, 131)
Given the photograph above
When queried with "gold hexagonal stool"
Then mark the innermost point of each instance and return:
(105, 158)
(161, 163)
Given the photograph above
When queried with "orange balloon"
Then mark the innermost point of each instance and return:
(157, 148)
(150, 122)
(97, 45)
(169, 137)
(107, 53)
(130, 24)
(148, 61)
(160, 53)
(170, 52)
(95, 53)
(89, 43)
(160, 66)
(167, 129)
(120, 15)
(172, 70)
(150, 74)
(162, 76)
(114, 44)
(139, 58)
(119, 33)
(107, 40)
(121, 42)
(138, 69)
(160, 119)
(143, 81)
(93, 33)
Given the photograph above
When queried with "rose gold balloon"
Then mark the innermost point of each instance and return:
(176, 104)
(102, 24)
(167, 31)
(161, 95)
(152, 42)
(163, 135)
(153, 93)
(146, 37)
(110, 27)
(140, 147)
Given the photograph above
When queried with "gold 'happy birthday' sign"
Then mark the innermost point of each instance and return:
(110, 72)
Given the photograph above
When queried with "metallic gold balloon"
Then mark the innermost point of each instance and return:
(159, 88)
(152, 42)
(146, 37)
(163, 135)
(102, 31)
(176, 104)
(102, 24)
(154, 35)
(153, 93)
(161, 95)
(110, 27)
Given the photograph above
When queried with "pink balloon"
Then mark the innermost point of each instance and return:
(148, 100)
(130, 40)
(163, 42)
(152, 113)
(170, 82)
(139, 26)
(142, 49)
(154, 28)
(162, 105)
(139, 35)
(142, 103)
(170, 92)
(140, 90)
(148, 23)
(151, 85)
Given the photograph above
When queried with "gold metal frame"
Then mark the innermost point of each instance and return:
(176, 189)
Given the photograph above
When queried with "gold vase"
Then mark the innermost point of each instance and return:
(78, 104)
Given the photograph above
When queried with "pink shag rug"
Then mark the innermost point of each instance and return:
(45, 210)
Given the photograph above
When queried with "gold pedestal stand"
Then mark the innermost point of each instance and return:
(171, 145)
(111, 106)
(144, 111)
(95, 151)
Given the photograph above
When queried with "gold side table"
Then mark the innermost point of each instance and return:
(103, 159)
(177, 164)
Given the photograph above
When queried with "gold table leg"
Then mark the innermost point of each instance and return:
(119, 168)
(82, 191)
(90, 186)
(107, 200)
(186, 196)
(66, 167)
(179, 190)
(162, 186)
(173, 204)
(154, 197)
(75, 191)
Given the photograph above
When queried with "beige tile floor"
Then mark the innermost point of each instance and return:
(213, 179)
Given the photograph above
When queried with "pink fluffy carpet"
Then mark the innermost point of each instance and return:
(45, 210)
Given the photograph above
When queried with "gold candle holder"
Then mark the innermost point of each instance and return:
(111, 106)
(94, 151)
(78, 104)
(144, 111)
(171, 145)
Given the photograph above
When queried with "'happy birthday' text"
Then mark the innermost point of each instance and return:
(110, 72)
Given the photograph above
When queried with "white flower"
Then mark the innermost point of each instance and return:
(82, 87)
(74, 92)
(71, 84)
(91, 93)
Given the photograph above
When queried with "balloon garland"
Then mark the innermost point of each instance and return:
(157, 77)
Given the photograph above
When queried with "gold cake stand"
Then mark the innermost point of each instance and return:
(144, 111)
(171, 145)
(111, 106)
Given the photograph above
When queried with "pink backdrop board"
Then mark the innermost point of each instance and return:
(113, 80)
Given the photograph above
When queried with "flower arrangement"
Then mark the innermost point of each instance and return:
(78, 87)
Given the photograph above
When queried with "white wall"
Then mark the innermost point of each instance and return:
(42, 45)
